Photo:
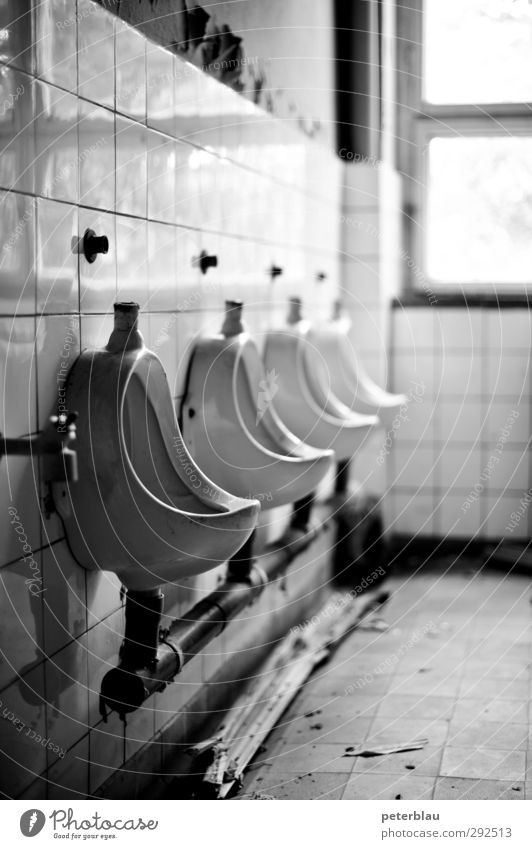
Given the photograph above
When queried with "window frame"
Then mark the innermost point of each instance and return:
(418, 121)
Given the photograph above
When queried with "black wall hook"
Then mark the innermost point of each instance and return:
(205, 261)
(275, 271)
(94, 245)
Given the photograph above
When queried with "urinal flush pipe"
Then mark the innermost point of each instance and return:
(232, 324)
(341, 483)
(125, 689)
(126, 335)
(143, 620)
(240, 567)
(294, 310)
(302, 510)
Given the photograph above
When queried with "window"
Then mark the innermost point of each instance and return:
(465, 141)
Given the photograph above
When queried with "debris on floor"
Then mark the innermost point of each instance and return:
(372, 751)
(250, 720)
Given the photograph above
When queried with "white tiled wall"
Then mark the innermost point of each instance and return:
(101, 129)
(467, 439)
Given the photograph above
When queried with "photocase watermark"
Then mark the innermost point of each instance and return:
(391, 660)
(517, 515)
(351, 156)
(339, 603)
(66, 169)
(11, 99)
(17, 232)
(20, 726)
(69, 343)
(493, 461)
(418, 276)
(260, 496)
(269, 388)
(34, 582)
(414, 394)
(181, 72)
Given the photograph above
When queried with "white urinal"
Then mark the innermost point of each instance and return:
(141, 507)
(305, 400)
(348, 378)
(230, 425)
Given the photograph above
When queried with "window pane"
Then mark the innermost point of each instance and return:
(479, 210)
(478, 51)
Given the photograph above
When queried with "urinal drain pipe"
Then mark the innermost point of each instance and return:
(124, 689)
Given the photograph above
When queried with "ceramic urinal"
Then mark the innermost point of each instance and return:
(231, 427)
(306, 401)
(141, 507)
(349, 380)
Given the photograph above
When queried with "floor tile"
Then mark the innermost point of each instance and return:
(464, 762)
(413, 706)
(491, 709)
(372, 786)
(388, 729)
(470, 788)
(310, 757)
(492, 735)
(424, 761)
(280, 785)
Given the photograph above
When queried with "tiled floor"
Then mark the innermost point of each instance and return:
(453, 668)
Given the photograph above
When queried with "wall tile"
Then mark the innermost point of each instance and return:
(458, 468)
(132, 260)
(57, 342)
(17, 252)
(64, 598)
(96, 330)
(21, 625)
(414, 329)
(67, 702)
(507, 375)
(104, 595)
(161, 177)
(458, 421)
(500, 521)
(96, 156)
(130, 53)
(131, 167)
(420, 423)
(461, 374)
(511, 469)
(456, 517)
(55, 42)
(56, 143)
(414, 513)
(56, 258)
(160, 88)
(413, 468)
(17, 131)
(162, 255)
(103, 646)
(508, 329)
(98, 279)
(507, 422)
(457, 329)
(412, 366)
(68, 776)
(96, 54)
(18, 23)
(22, 755)
(18, 475)
(106, 747)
